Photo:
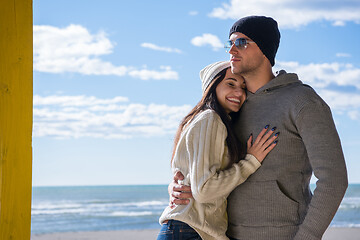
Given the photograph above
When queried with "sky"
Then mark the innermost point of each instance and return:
(112, 79)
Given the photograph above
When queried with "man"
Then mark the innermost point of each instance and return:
(276, 201)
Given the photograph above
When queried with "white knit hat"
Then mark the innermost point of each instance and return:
(208, 73)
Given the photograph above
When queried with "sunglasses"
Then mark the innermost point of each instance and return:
(240, 43)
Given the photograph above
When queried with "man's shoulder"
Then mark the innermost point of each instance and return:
(305, 97)
(302, 91)
(297, 94)
(308, 92)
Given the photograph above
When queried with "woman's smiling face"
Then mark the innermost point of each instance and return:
(231, 92)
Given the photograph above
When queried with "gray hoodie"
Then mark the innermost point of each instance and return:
(276, 201)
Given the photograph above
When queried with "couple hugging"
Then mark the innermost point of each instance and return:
(244, 155)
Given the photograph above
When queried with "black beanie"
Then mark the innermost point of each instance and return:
(263, 31)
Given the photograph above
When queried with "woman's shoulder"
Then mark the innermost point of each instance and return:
(204, 123)
(206, 116)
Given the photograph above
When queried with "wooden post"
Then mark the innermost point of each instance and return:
(15, 118)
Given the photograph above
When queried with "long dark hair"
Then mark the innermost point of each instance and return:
(209, 101)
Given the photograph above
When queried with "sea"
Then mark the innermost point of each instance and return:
(107, 208)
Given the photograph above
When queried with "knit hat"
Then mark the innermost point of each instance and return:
(208, 73)
(263, 31)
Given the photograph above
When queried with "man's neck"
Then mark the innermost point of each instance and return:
(255, 81)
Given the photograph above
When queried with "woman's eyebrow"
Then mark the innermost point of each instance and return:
(230, 78)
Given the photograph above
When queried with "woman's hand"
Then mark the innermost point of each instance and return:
(263, 144)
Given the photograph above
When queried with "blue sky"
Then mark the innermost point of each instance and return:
(112, 79)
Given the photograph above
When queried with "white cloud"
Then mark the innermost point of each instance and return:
(76, 101)
(342, 102)
(290, 14)
(343, 55)
(321, 75)
(145, 74)
(88, 116)
(75, 49)
(354, 115)
(158, 48)
(207, 39)
(193, 13)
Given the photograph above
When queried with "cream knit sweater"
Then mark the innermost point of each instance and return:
(202, 156)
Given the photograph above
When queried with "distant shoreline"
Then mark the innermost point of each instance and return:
(333, 233)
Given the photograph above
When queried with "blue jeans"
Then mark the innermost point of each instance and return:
(176, 230)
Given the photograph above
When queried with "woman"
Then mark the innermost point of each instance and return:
(206, 152)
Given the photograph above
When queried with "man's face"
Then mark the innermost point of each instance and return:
(246, 59)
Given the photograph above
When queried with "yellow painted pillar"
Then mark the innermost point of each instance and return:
(15, 118)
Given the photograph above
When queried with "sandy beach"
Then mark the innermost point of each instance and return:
(330, 234)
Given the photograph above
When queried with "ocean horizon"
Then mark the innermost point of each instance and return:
(128, 207)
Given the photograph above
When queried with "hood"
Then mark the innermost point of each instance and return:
(282, 79)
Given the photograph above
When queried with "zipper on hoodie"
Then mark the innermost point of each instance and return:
(279, 86)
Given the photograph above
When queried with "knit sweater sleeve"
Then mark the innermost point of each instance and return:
(205, 143)
(318, 132)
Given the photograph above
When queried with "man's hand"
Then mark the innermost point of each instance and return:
(179, 194)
